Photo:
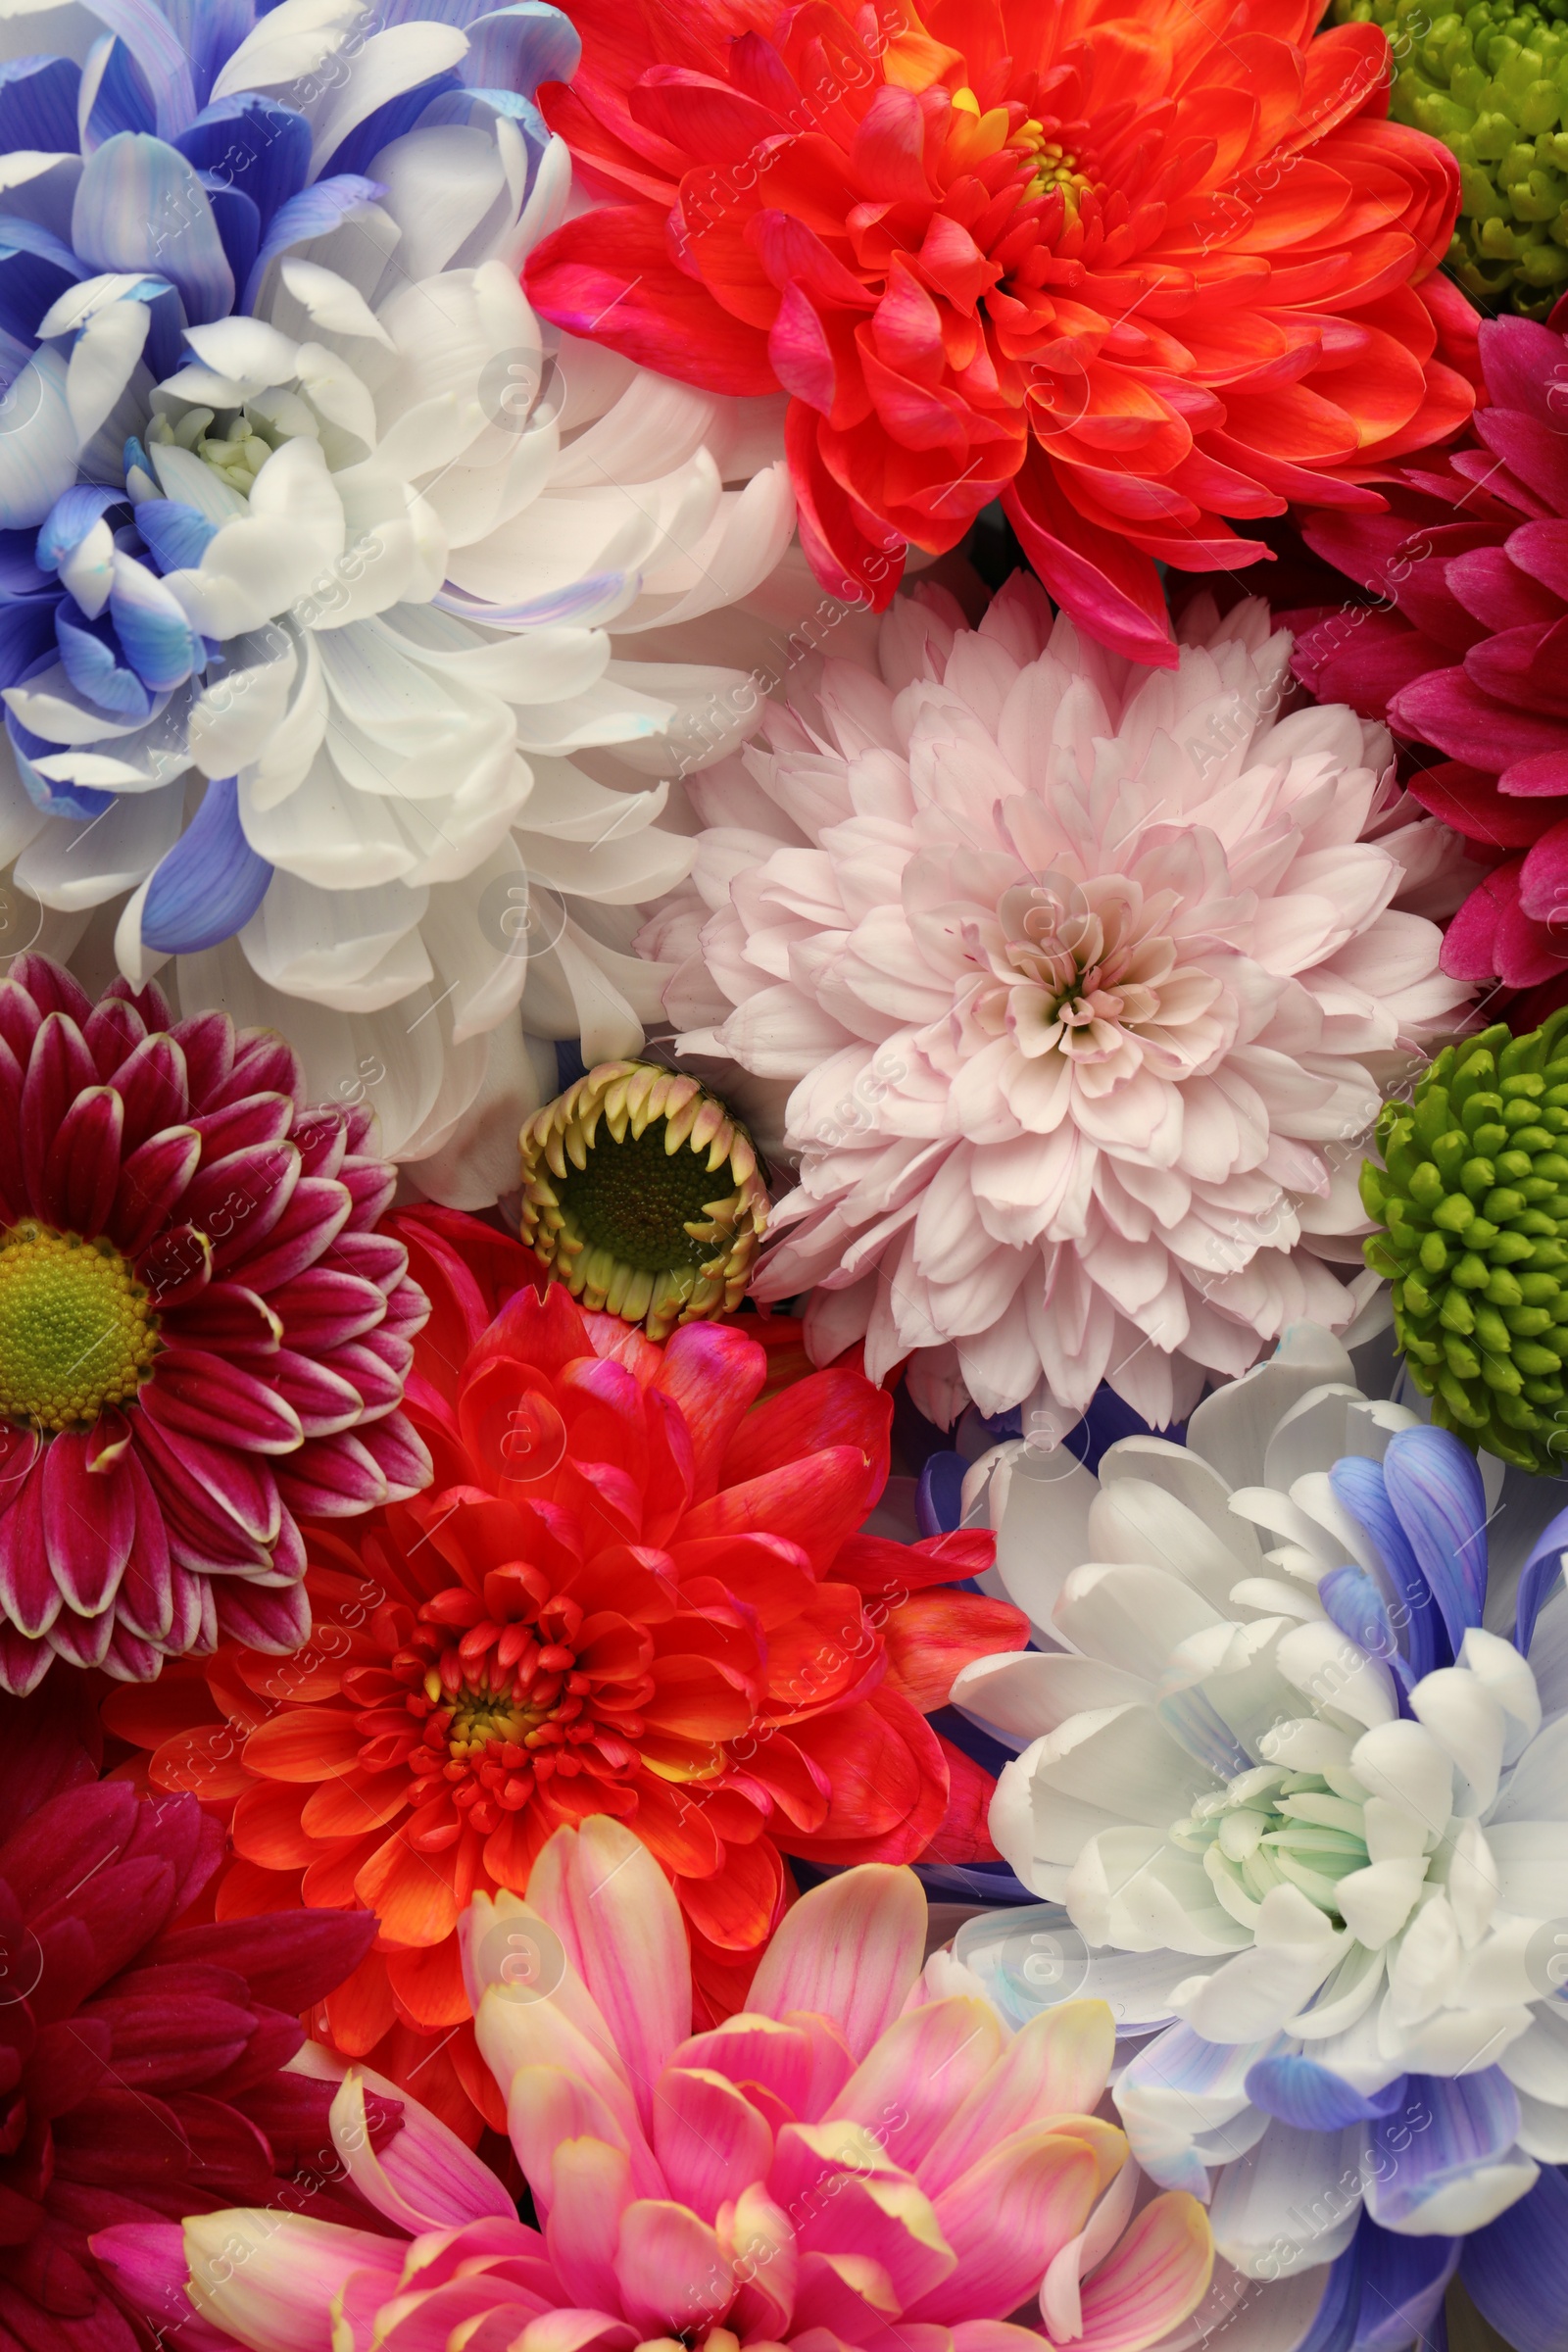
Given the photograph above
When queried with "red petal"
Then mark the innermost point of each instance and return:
(608, 275)
(1111, 590)
(195, 1390)
(152, 1181)
(830, 1408)
(89, 1521)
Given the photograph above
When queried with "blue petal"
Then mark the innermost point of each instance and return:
(19, 574)
(208, 32)
(313, 213)
(156, 638)
(78, 800)
(1435, 1487)
(1334, 2323)
(140, 206)
(70, 519)
(1474, 2122)
(1516, 2269)
(390, 120)
(39, 104)
(518, 48)
(177, 534)
(476, 106)
(1536, 1578)
(1359, 1485)
(27, 637)
(210, 884)
(36, 269)
(254, 144)
(587, 600)
(89, 654)
(937, 1505)
(165, 67)
(116, 94)
(1356, 1606)
(239, 224)
(1301, 2092)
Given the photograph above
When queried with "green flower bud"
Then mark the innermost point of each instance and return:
(1492, 83)
(1472, 1205)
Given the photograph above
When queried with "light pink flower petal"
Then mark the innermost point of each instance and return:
(549, 2105)
(890, 2220)
(759, 2239)
(575, 2332)
(1005, 2218)
(634, 1943)
(709, 2140)
(850, 1950)
(146, 2260)
(919, 2074)
(1059, 2065)
(1154, 2278)
(987, 2335)
(592, 2189)
(801, 2064)
(426, 2178)
(673, 2272)
(849, 2294)
(269, 2279)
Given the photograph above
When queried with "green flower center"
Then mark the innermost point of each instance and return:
(76, 1329)
(635, 1199)
(237, 449)
(1276, 1829)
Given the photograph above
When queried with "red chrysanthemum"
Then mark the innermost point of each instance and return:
(630, 1590)
(1462, 651)
(1138, 266)
(141, 2058)
(201, 1334)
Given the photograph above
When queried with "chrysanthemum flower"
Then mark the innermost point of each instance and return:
(1079, 971)
(864, 2152)
(1136, 270)
(642, 1195)
(330, 569)
(1465, 650)
(1490, 81)
(143, 2061)
(1472, 1195)
(1303, 1811)
(200, 1333)
(630, 1590)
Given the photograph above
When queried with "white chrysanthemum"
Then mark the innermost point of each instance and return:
(1085, 975)
(1306, 1813)
(350, 565)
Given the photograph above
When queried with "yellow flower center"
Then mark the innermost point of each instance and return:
(76, 1329)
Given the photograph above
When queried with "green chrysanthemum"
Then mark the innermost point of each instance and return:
(1492, 83)
(1473, 1197)
(642, 1194)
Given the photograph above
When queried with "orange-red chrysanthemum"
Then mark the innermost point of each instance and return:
(632, 1590)
(1138, 266)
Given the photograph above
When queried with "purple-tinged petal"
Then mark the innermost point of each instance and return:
(1435, 1488)
(210, 882)
(1540, 775)
(1516, 2269)
(81, 1641)
(131, 1659)
(145, 1602)
(372, 1185)
(1536, 1578)
(23, 1661)
(1544, 876)
(1312, 2097)
(82, 1169)
(1471, 803)
(1359, 1485)
(243, 1126)
(241, 1195)
(1447, 708)
(146, 2262)
(207, 1042)
(89, 1520)
(324, 1400)
(289, 1959)
(1534, 453)
(51, 987)
(1470, 944)
(152, 1183)
(140, 206)
(374, 1256)
(376, 1381)
(314, 212)
(1519, 359)
(215, 1486)
(397, 1447)
(265, 1064)
(1461, 2171)
(1500, 593)
(1524, 667)
(1363, 658)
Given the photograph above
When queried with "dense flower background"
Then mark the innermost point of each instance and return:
(783, 1176)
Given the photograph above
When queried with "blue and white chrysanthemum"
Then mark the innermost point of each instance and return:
(1292, 1775)
(322, 575)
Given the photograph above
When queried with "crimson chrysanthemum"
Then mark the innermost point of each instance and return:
(1464, 651)
(633, 1589)
(201, 1334)
(142, 2047)
(1136, 267)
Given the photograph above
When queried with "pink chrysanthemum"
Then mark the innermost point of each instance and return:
(1090, 982)
(200, 1332)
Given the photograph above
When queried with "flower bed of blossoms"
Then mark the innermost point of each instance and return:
(783, 1176)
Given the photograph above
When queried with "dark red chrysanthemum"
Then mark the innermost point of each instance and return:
(201, 1334)
(141, 2062)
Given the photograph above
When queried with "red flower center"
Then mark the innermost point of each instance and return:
(484, 1700)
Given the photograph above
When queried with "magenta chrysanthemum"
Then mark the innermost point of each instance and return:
(201, 1334)
(1088, 980)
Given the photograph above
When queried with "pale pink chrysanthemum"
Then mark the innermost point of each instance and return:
(1088, 980)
